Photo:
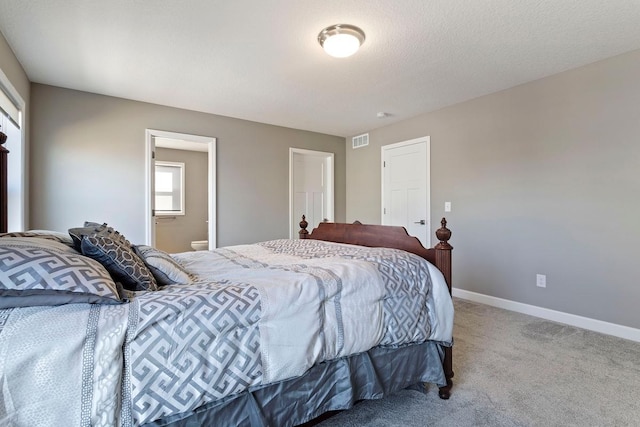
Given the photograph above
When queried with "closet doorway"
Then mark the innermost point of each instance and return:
(310, 188)
(406, 187)
(173, 159)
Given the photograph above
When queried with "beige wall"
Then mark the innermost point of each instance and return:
(543, 178)
(175, 233)
(87, 162)
(13, 70)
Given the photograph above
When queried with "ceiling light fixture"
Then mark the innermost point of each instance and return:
(341, 40)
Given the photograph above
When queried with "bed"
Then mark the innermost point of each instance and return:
(97, 331)
(203, 345)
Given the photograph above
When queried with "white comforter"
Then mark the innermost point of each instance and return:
(327, 308)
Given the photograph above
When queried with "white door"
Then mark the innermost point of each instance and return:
(405, 187)
(311, 188)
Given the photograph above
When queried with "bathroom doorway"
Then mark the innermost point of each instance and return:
(174, 159)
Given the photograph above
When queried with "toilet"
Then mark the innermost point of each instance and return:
(200, 245)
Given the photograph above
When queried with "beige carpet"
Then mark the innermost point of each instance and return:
(516, 370)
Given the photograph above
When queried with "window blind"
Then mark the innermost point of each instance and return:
(9, 108)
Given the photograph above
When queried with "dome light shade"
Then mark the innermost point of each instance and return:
(341, 40)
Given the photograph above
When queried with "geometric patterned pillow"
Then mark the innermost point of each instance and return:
(164, 268)
(121, 261)
(95, 229)
(33, 274)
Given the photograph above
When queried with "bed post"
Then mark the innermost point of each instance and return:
(443, 251)
(443, 262)
(3, 184)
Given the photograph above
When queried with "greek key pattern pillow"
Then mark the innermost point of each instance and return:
(121, 261)
(164, 268)
(35, 275)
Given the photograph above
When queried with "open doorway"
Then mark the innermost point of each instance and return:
(190, 160)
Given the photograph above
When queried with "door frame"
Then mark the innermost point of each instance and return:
(384, 148)
(329, 184)
(150, 135)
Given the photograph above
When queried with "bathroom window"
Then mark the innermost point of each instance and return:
(169, 188)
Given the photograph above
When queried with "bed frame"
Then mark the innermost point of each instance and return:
(393, 237)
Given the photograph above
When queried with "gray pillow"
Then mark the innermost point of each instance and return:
(38, 242)
(42, 234)
(121, 261)
(164, 268)
(36, 272)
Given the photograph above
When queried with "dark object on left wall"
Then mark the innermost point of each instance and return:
(3, 183)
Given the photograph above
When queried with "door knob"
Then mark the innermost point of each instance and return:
(421, 222)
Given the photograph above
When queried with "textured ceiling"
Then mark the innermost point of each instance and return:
(259, 59)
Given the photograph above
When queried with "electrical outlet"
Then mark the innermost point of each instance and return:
(541, 280)
(447, 206)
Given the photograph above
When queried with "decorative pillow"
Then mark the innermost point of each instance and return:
(164, 268)
(95, 229)
(38, 242)
(37, 272)
(42, 234)
(121, 261)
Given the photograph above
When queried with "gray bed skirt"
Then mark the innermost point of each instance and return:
(328, 386)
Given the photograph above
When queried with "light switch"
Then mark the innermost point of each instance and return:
(447, 206)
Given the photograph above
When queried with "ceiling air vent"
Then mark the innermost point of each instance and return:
(361, 140)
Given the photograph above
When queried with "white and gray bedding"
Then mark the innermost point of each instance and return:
(254, 315)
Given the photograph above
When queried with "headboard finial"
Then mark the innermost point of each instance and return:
(443, 234)
(303, 233)
(3, 137)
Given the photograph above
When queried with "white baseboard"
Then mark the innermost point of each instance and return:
(556, 316)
